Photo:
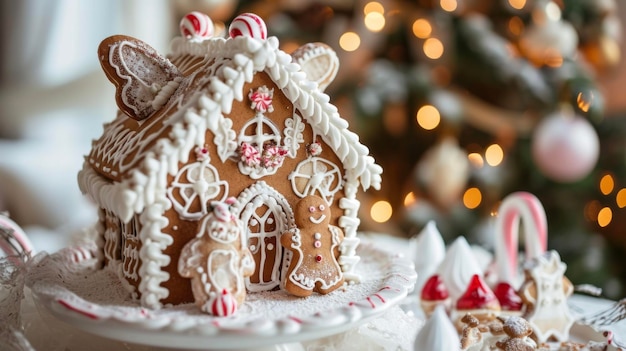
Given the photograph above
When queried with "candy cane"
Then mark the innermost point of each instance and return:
(515, 207)
(15, 234)
(249, 25)
(196, 25)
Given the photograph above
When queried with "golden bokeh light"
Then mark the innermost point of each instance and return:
(422, 28)
(349, 41)
(605, 216)
(381, 211)
(409, 199)
(433, 48)
(472, 198)
(375, 21)
(584, 101)
(476, 159)
(552, 58)
(552, 11)
(428, 117)
(517, 4)
(620, 198)
(494, 155)
(592, 209)
(372, 7)
(516, 26)
(448, 5)
(607, 184)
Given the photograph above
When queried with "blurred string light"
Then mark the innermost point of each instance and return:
(422, 28)
(607, 184)
(410, 199)
(552, 11)
(349, 41)
(516, 26)
(448, 5)
(605, 216)
(517, 4)
(374, 16)
(620, 198)
(374, 21)
(476, 159)
(494, 155)
(433, 48)
(584, 100)
(428, 117)
(472, 198)
(381, 211)
(372, 7)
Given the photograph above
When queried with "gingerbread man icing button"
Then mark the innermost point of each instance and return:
(313, 267)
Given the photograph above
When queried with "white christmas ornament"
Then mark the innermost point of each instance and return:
(548, 39)
(444, 170)
(565, 147)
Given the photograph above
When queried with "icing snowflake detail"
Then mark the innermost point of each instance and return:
(315, 149)
(202, 153)
(261, 99)
(273, 156)
(250, 155)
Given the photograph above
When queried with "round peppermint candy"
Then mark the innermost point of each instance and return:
(224, 304)
(249, 25)
(196, 25)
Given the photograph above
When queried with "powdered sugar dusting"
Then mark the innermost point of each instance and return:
(79, 289)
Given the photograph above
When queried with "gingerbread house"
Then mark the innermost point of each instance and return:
(220, 117)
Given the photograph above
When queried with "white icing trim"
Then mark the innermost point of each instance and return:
(202, 179)
(319, 178)
(230, 63)
(293, 134)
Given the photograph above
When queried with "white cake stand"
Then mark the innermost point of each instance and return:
(96, 302)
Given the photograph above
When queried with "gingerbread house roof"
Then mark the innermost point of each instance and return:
(120, 172)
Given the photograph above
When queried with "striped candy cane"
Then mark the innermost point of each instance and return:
(516, 207)
(13, 240)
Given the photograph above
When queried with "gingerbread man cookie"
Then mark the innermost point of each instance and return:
(517, 332)
(313, 244)
(545, 292)
(217, 261)
(472, 333)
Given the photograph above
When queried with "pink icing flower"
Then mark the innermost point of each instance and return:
(315, 149)
(250, 155)
(262, 99)
(202, 153)
(273, 156)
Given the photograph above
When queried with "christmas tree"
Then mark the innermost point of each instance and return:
(465, 101)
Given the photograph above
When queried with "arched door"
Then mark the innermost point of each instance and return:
(267, 215)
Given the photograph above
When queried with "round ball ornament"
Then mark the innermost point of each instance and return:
(565, 147)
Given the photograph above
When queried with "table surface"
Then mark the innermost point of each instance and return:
(394, 330)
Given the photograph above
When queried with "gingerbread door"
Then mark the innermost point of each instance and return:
(267, 214)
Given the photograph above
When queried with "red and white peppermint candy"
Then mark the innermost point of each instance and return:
(224, 305)
(515, 207)
(249, 25)
(196, 25)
